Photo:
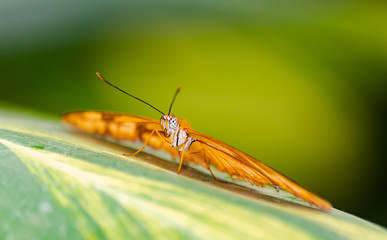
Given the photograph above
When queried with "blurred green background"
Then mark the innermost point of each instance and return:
(301, 86)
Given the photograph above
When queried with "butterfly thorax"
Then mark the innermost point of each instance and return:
(178, 136)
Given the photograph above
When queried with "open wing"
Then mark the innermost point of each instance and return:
(244, 167)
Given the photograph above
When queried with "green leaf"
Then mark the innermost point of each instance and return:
(59, 184)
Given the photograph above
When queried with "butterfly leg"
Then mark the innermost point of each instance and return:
(209, 167)
(207, 163)
(181, 159)
(146, 142)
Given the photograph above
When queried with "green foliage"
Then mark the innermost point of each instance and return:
(300, 85)
(57, 184)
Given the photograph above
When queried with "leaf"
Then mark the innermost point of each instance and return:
(59, 184)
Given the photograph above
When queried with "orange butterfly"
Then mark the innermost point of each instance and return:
(176, 137)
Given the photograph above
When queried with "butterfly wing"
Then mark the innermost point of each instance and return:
(244, 167)
(119, 126)
(222, 156)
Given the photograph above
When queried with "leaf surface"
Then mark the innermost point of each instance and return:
(59, 184)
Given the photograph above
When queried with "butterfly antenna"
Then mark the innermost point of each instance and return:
(173, 100)
(99, 75)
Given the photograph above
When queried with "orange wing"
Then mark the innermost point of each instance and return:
(119, 126)
(244, 167)
(224, 157)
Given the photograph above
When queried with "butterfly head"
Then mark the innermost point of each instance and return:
(169, 124)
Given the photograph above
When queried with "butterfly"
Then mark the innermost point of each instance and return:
(175, 136)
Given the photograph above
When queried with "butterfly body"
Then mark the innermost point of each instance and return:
(176, 137)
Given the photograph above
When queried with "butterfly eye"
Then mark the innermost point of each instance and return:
(173, 123)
